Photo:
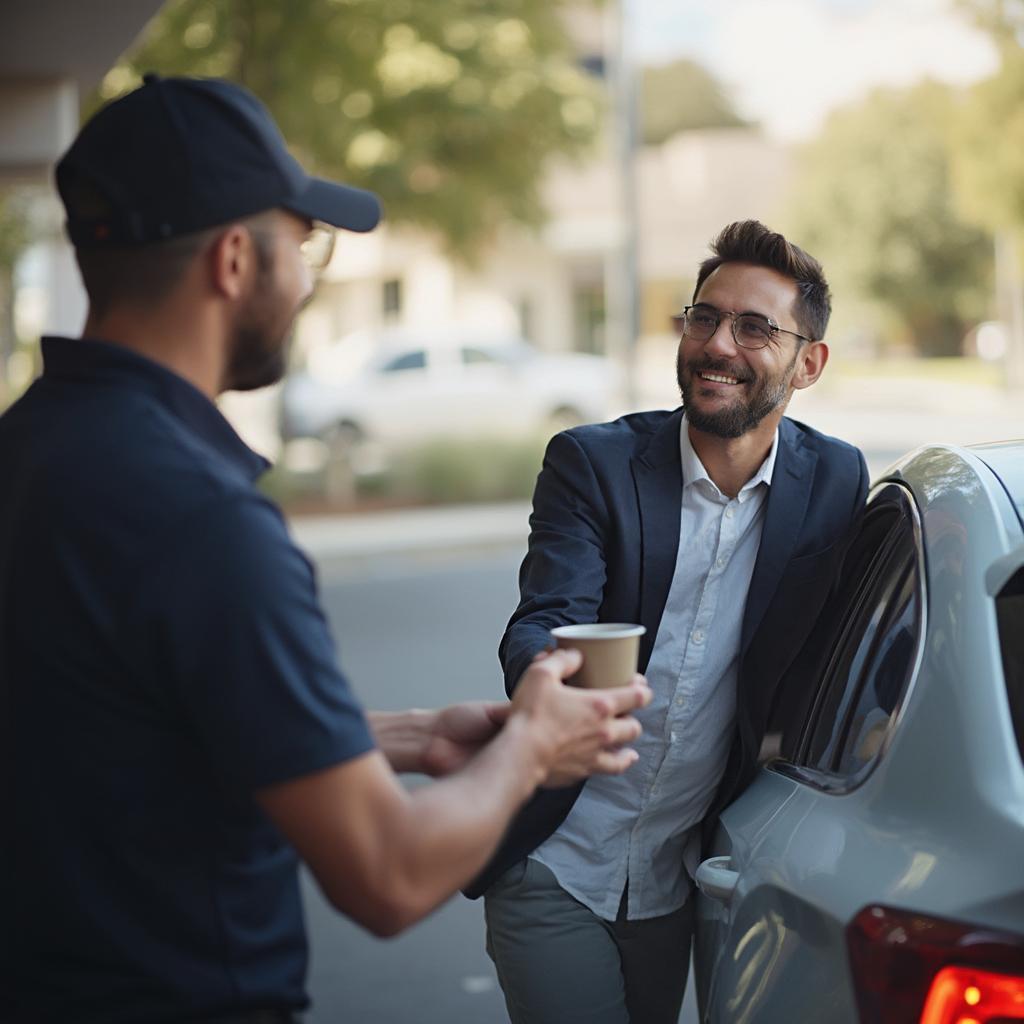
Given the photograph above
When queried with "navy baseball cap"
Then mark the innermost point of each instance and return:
(178, 155)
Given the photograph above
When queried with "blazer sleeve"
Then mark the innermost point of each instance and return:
(563, 576)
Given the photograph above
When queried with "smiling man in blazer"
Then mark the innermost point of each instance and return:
(718, 527)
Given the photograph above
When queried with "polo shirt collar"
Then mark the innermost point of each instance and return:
(101, 362)
(694, 471)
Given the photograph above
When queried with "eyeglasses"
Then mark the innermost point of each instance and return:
(318, 247)
(750, 330)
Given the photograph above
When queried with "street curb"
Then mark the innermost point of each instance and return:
(411, 531)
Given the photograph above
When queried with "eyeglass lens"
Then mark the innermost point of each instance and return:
(748, 329)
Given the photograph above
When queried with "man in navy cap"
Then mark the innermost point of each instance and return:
(174, 724)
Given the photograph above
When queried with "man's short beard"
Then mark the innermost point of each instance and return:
(259, 354)
(254, 365)
(740, 417)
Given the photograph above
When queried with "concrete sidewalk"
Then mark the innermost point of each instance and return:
(340, 539)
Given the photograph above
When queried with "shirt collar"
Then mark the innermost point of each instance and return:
(694, 471)
(101, 362)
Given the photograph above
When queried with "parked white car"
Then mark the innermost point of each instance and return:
(395, 389)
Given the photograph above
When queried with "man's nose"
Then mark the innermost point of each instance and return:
(722, 341)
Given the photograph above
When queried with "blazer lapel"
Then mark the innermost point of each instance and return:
(657, 474)
(788, 496)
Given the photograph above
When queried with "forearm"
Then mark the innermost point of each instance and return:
(402, 736)
(450, 829)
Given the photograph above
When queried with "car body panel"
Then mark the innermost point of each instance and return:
(465, 387)
(937, 823)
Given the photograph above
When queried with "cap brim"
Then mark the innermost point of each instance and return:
(353, 209)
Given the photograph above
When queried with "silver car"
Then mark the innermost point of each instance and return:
(399, 389)
(874, 870)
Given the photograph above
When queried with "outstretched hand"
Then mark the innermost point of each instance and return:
(459, 731)
(583, 732)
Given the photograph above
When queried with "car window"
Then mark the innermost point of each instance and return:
(872, 691)
(471, 356)
(414, 360)
(1010, 616)
(851, 675)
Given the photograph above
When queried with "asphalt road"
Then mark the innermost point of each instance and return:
(415, 631)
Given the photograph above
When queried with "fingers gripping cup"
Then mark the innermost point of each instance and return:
(609, 649)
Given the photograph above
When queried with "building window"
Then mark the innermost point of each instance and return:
(391, 299)
(589, 317)
(527, 318)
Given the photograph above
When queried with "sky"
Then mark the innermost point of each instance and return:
(786, 63)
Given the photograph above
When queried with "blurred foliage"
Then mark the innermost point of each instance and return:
(1002, 19)
(447, 110)
(988, 147)
(16, 231)
(988, 131)
(15, 226)
(873, 200)
(683, 96)
(438, 472)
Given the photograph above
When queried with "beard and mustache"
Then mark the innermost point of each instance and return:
(756, 396)
(263, 331)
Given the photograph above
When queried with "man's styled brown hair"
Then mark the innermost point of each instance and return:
(749, 241)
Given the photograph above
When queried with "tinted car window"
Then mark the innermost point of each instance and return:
(415, 360)
(1010, 616)
(877, 693)
(478, 355)
(844, 688)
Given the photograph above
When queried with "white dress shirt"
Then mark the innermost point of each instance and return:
(637, 826)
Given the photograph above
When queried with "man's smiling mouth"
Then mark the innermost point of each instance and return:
(717, 378)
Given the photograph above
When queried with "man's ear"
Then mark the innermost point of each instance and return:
(809, 364)
(230, 261)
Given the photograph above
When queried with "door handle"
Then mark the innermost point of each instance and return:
(716, 879)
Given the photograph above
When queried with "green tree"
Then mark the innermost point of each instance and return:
(683, 96)
(447, 110)
(873, 200)
(15, 235)
(988, 131)
(988, 164)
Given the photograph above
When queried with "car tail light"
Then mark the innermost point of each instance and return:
(963, 995)
(914, 969)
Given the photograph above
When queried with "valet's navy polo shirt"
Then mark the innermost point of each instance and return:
(162, 655)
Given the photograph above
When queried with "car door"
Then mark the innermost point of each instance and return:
(796, 856)
(396, 399)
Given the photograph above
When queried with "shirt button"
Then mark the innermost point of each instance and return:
(720, 562)
(730, 512)
(672, 736)
(698, 636)
(680, 702)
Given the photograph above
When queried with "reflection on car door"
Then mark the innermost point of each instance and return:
(794, 859)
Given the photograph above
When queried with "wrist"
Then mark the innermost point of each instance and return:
(403, 736)
(524, 733)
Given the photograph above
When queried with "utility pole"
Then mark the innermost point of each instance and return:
(1010, 300)
(623, 281)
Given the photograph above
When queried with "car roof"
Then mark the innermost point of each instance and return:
(1006, 460)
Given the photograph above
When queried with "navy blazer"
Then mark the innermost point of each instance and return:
(604, 534)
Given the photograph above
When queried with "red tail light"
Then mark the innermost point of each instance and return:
(963, 995)
(912, 969)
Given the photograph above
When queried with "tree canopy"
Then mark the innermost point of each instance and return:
(448, 111)
(988, 130)
(683, 96)
(874, 201)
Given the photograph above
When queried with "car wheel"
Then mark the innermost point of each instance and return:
(341, 438)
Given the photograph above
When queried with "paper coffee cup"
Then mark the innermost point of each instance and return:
(610, 651)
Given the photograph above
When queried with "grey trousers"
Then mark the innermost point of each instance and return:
(559, 963)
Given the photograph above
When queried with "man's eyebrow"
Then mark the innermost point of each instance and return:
(745, 312)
